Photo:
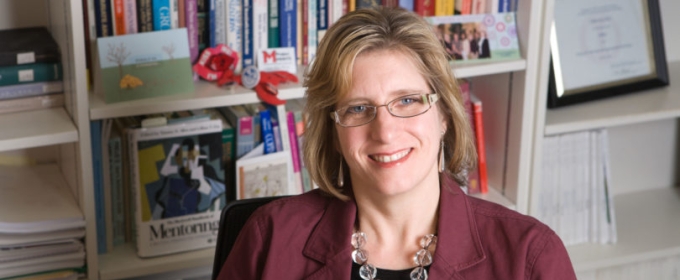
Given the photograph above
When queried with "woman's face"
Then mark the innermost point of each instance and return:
(390, 155)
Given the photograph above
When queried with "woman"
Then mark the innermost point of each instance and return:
(388, 144)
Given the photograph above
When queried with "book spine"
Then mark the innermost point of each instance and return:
(32, 89)
(144, 16)
(312, 23)
(294, 150)
(95, 134)
(182, 9)
(31, 103)
(481, 147)
(174, 14)
(210, 15)
(298, 31)
(192, 28)
(131, 16)
(119, 16)
(117, 203)
(161, 15)
(267, 132)
(30, 73)
(322, 15)
(287, 23)
(260, 26)
(220, 22)
(503, 6)
(247, 46)
(406, 4)
(473, 174)
(277, 136)
(203, 30)
(102, 11)
(273, 31)
(305, 31)
(134, 192)
(424, 8)
(234, 28)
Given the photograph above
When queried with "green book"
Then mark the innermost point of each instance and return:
(30, 73)
(274, 41)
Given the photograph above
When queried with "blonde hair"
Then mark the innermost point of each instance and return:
(330, 77)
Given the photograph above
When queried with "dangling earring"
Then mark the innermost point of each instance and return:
(441, 157)
(341, 181)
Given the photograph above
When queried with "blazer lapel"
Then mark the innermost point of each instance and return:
(459, 245)
(329, 243)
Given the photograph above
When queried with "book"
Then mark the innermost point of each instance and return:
(30, 73)
(191, 18)
(37, 199)
(273, 31)
(30, 89)
(234, 28)
(102, 18)
(28, 45)
(96, 128)
(240, 119)
(288, 23)
(131, 17)
(144, 16)
(478, 37)
(259, 175)
(179, 186)
(144, 65)
(31, 103)
(473, 184)
(481, 146)
(162, 14)
(118, 12)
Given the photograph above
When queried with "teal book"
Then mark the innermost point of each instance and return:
(30, 73)
(144, 65)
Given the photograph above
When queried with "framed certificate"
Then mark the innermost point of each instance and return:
(605, 48)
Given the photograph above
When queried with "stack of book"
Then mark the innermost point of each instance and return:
(30, 70)
(575, 197)
(41, 226)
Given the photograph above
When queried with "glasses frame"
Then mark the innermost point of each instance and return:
(431, 99)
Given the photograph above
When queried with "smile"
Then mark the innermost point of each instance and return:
(390, 158)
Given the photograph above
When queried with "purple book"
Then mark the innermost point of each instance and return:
(32, 89)
(191, 15)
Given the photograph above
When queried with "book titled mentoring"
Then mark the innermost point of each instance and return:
(179, 188)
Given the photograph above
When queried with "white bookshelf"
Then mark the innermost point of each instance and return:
(469, 70)
(123, 262)
(36, 128)
(496, 197)
(645, 106)
(648, 226)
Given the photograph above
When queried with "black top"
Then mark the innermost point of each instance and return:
(385, 274)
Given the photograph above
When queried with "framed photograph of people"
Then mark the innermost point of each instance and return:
(605, 48)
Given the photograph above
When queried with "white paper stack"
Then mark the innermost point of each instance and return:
(575, 196)
(40, 222)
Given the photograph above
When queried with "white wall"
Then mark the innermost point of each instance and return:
(645, 155)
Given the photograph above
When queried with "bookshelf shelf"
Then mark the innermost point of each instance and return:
(488, 68)
(651, 105)
(36, 128)
(123, 262)
(648, 227)
(496, 197)
(205, 95)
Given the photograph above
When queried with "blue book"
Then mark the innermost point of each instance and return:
(247, 47)
(98, 178)
(322, 16)
(211, 23)
(408, 4)
(288, 23)
(503, 6)
(267, 132)
(162, 20)
(102, 18)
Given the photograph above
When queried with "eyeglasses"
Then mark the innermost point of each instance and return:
(406, 106)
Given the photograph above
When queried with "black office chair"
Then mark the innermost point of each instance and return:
(234, 217)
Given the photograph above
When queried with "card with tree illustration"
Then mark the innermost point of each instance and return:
(144, 65)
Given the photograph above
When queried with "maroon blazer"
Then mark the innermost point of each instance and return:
(308, 237)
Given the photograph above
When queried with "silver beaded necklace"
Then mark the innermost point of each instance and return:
(367, 271)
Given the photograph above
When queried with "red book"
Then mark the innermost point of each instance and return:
(424, 8)
(473, 174)
(119, 16)
(481, 148)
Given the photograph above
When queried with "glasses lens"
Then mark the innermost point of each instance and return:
(356, 115)
(409, 105)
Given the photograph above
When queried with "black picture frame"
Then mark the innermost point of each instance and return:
(658, 78)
